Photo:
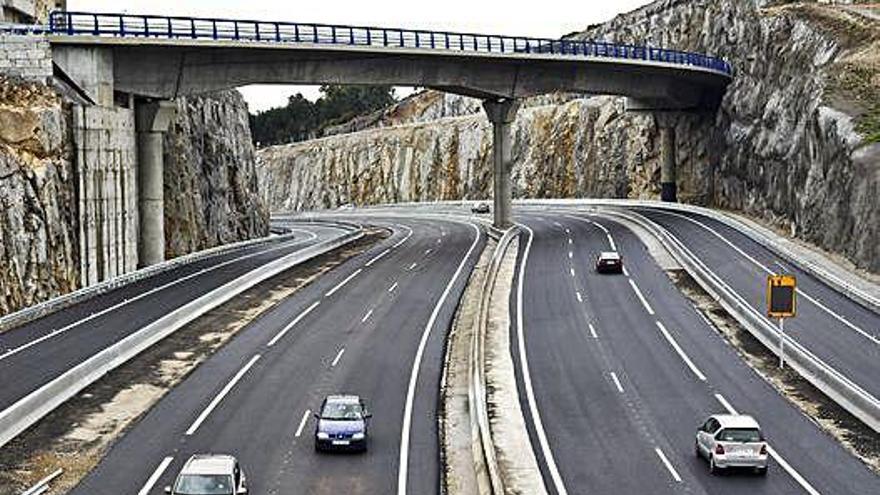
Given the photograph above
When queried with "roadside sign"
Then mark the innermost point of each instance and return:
(781, 296)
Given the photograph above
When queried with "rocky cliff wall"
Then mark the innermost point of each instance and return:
(210, 181)
(38, 224)
(795, 142)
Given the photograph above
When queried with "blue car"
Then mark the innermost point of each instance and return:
(342, 424)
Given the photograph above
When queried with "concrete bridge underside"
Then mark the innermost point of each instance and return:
(106, 70)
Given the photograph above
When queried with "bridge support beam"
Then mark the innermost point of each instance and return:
(152, 119)
(501, 113)
(668, 187)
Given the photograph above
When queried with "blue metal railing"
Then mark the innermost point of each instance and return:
(152, 26)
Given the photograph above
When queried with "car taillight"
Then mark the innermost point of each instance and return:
(719, 449)
(764, 449)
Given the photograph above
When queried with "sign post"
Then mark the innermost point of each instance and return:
(781, 295)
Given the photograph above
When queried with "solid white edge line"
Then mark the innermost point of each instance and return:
(616, 382)
(367, 316)
(403, 462)
(527, 379)
(611, 242)
(302, 423)
(796, 476)
(143, 295)
(219, 397)
(393, 286)
(647, 306)
(668, 464)
(341, 284)
(593, 331)
(337, 358)
(145, 490)
(377, 257)
(408, 235)
(290, 325)
(684, 357)
(625, 271)
(43, 485)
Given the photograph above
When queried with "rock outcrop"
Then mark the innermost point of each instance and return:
(794, 143)
(38, 226)
(210, 182)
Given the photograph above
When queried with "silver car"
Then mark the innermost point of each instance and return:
(732, 440)
(210, 474)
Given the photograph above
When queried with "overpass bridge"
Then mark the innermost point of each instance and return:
(145, 61)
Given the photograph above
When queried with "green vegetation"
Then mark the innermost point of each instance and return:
(302, 119)
(852, 84)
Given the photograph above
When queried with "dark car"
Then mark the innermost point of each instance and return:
(342, 424)
(609, 262)
(480, 208)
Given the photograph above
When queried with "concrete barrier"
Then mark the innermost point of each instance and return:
(485, 462)
(37, 404)
(831, 382)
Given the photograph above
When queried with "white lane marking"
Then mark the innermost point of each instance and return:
(337, 358)
(408, 235)
(290, 325)
(641, 297)
(427, 252)
(42, 486)
(340, 284)
(412, 266)
(403, 462)
(570, 254)
(684, 357)
(571, 270)
(567, 230)
(439, 241)
(705, 320)
(776, 455)
(377, 257)
(611, 242)
(527, 378)
(625, 271)
(367, 316)
(616, 382)
(593, 331)
(393, 286)
(569, 241)
(597, 224)
(780, 265)
(142, 295)
(726, 405)
(806, 296)
(219, 397)
(668, 464)
(578, 294)
(557, 224)
(145, 490)
(302, 423)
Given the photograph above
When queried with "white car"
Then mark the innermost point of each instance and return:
(210, 474)
(732, 440)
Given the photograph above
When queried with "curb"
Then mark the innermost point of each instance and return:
(41, 402)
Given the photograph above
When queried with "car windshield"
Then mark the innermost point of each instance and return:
(740, 435)
(342, 410)
(204, 484)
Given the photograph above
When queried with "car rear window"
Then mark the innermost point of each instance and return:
(740, 435)
(204, 484)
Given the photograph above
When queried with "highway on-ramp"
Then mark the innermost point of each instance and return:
(374, 326)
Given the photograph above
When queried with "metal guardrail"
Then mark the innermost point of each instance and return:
(820, 374)
(33, 407)
(197, 28)
(483, 445)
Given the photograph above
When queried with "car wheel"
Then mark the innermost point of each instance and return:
(713, 469)
(697, 450)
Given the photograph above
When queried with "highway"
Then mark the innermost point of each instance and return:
(33, 354)
(374, 326)
(623, 370)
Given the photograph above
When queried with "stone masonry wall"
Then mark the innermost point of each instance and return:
(26, 57)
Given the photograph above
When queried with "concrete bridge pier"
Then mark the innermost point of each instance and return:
(152, 119)
(668, 187)
(501, 113)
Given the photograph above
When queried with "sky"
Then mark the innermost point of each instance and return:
(548, 20)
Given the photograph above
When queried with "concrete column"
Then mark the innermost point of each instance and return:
(501, 113)
(668, 188)
(152, 119)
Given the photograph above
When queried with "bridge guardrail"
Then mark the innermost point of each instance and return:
(33, 407)
(198, 28)
(481, 434)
